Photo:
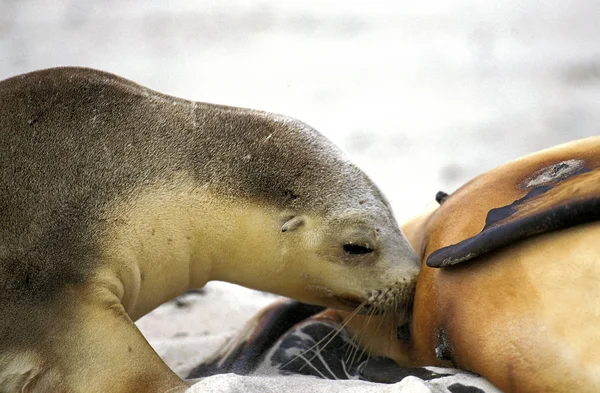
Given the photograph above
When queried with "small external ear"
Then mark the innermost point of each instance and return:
(441, 197)
(293, 223)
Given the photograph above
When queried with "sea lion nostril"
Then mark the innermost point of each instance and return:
(355, 249)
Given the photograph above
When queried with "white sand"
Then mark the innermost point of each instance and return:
(232, 383)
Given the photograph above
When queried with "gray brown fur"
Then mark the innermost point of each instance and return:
(72, 140)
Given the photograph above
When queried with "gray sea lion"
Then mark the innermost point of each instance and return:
(115, 198)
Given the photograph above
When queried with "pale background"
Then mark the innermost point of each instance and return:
(422, 95)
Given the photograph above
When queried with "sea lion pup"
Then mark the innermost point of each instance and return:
(116, 198)
(520, 306)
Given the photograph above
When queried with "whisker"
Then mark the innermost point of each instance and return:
(345, 370)
(338, 330)
(308, 363)
(329, 336)
(357, 337)
(351, 347)
(363, 330)
(324, 363)
(394, 322)
(371, 341)
(368, 347)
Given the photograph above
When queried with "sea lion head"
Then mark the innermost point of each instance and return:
(340, 243)
(353, 253)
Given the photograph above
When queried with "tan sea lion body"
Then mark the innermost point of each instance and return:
(115, 198)
(524, 316)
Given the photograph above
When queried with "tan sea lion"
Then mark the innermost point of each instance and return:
(115, 198)
(521, 306)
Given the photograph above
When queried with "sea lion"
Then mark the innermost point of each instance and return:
(517, 301)
(115, 198)
(520, 307)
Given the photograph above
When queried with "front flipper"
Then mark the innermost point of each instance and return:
(287, 338)
(96, 348)
(385, 370)
(548, 191)
(318, 347)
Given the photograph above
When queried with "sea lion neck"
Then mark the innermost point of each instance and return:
(156, 233)
(277, 160)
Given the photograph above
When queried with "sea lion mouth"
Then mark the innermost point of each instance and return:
(397, 299)
(360, 306)
(344, 301)
(349, 301)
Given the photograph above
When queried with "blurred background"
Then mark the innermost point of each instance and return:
(422, 95)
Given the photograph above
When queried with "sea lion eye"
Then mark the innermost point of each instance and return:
(356, 249)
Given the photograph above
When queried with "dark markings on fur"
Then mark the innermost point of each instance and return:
(290, 195)
(385, 370)
(249, 355)
(35, 118)
(460, 388)
(497, 215)
(403, 332)
(501, 230)
(443, 349)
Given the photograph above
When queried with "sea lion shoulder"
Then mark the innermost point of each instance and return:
(546, 191)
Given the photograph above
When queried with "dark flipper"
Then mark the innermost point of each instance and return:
(557, 196)
(318, 348)
(385, 370)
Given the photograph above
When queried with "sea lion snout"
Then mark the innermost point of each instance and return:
(361, 256)
(389, 265)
